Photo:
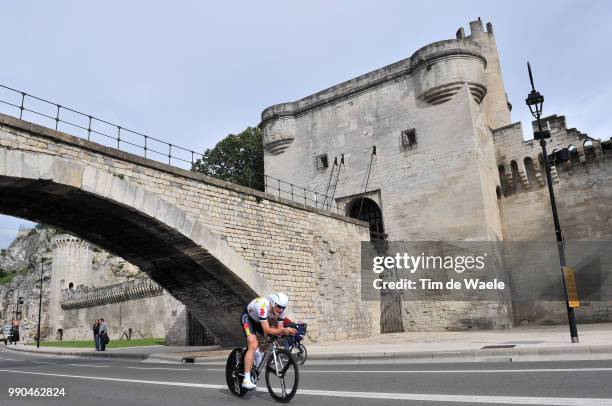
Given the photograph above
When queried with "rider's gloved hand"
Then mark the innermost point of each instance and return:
(289, 331)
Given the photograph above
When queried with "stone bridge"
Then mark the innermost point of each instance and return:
(212, 244)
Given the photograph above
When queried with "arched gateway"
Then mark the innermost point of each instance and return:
(367, 210)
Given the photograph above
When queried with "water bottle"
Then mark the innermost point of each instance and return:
(258, 357)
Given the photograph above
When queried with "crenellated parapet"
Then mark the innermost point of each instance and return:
(520, 162)
(83, 296)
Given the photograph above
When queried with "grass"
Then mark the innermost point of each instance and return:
(4, 279)
(112, 344)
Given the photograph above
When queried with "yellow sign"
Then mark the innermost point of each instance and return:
(570, 286)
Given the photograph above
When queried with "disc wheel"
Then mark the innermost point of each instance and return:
(300, 353)
(234, 372)
(282, 376)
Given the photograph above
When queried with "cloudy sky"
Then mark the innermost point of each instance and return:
(190, 72)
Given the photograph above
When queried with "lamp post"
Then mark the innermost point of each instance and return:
(19, 302)
(535, 101)
(40, 258)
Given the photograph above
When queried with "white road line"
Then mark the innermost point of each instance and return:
(454, 371)
(44, 362)
(88, 365)
(168, 369)
(472, 399)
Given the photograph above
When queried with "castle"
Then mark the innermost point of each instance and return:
(425, 149)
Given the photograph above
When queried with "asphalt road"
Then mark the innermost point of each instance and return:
(116, 382)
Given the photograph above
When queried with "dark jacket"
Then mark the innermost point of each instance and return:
(96, 329)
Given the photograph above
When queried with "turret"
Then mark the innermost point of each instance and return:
(495, 103)
(71, 267)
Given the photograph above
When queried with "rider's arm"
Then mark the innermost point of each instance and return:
(274, 331)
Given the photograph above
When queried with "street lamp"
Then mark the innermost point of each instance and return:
(40, 259)
(535, 101)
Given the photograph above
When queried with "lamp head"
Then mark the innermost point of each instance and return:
(534, 100)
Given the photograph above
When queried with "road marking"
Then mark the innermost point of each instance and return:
(89, 365)
(454, 371)
(441, 371)
(169, 369)
(471, 399)
(44, 362)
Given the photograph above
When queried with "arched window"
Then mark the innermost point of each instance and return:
(530, 170)
(589, 151)
(503, 179)
(573, 153)
(516, 176)
(367, 210)
(70, 285)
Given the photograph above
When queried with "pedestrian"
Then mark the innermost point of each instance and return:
(103, 336)
(96, 333)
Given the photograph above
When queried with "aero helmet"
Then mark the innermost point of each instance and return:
(278, 299)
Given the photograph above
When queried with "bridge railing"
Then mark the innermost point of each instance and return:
(44, 112)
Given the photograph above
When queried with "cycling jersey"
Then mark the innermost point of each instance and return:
(260, 309)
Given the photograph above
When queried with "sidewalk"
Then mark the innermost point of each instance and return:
(520, 343)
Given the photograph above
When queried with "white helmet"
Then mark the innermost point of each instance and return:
(278, 299)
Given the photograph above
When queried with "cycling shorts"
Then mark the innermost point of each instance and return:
(249, 326)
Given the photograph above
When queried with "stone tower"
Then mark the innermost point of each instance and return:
(71, 267)
(434, 175)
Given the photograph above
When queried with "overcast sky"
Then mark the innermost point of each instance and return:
(190, 72)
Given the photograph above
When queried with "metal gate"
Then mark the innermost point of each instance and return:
(197, 334)
(391, 313)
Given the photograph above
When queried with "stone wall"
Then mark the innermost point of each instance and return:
(583, 191)
(155, 316)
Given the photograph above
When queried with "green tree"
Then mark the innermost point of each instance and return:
(236, 158)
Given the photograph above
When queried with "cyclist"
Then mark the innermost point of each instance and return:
(264, 315)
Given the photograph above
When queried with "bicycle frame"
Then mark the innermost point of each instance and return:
(271, 352)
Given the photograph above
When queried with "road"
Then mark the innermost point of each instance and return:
(91, 382)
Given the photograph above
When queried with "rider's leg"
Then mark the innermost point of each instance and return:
(252, 345)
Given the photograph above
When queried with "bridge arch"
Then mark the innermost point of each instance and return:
(176, 250)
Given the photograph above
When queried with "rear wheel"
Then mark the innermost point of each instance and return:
(234, 372)
(300, 353)
(282, 376)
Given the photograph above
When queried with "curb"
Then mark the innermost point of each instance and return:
(507, 354)
(603, 351)
(109, 354)
(98, 354)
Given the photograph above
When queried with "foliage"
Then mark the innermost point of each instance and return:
(114, 343)
(236, 158)
(6, 277)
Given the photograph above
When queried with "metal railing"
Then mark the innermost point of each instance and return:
(121, 138)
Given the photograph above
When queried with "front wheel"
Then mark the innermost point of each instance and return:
(234, 372)
(300, 353)
(282, 376)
